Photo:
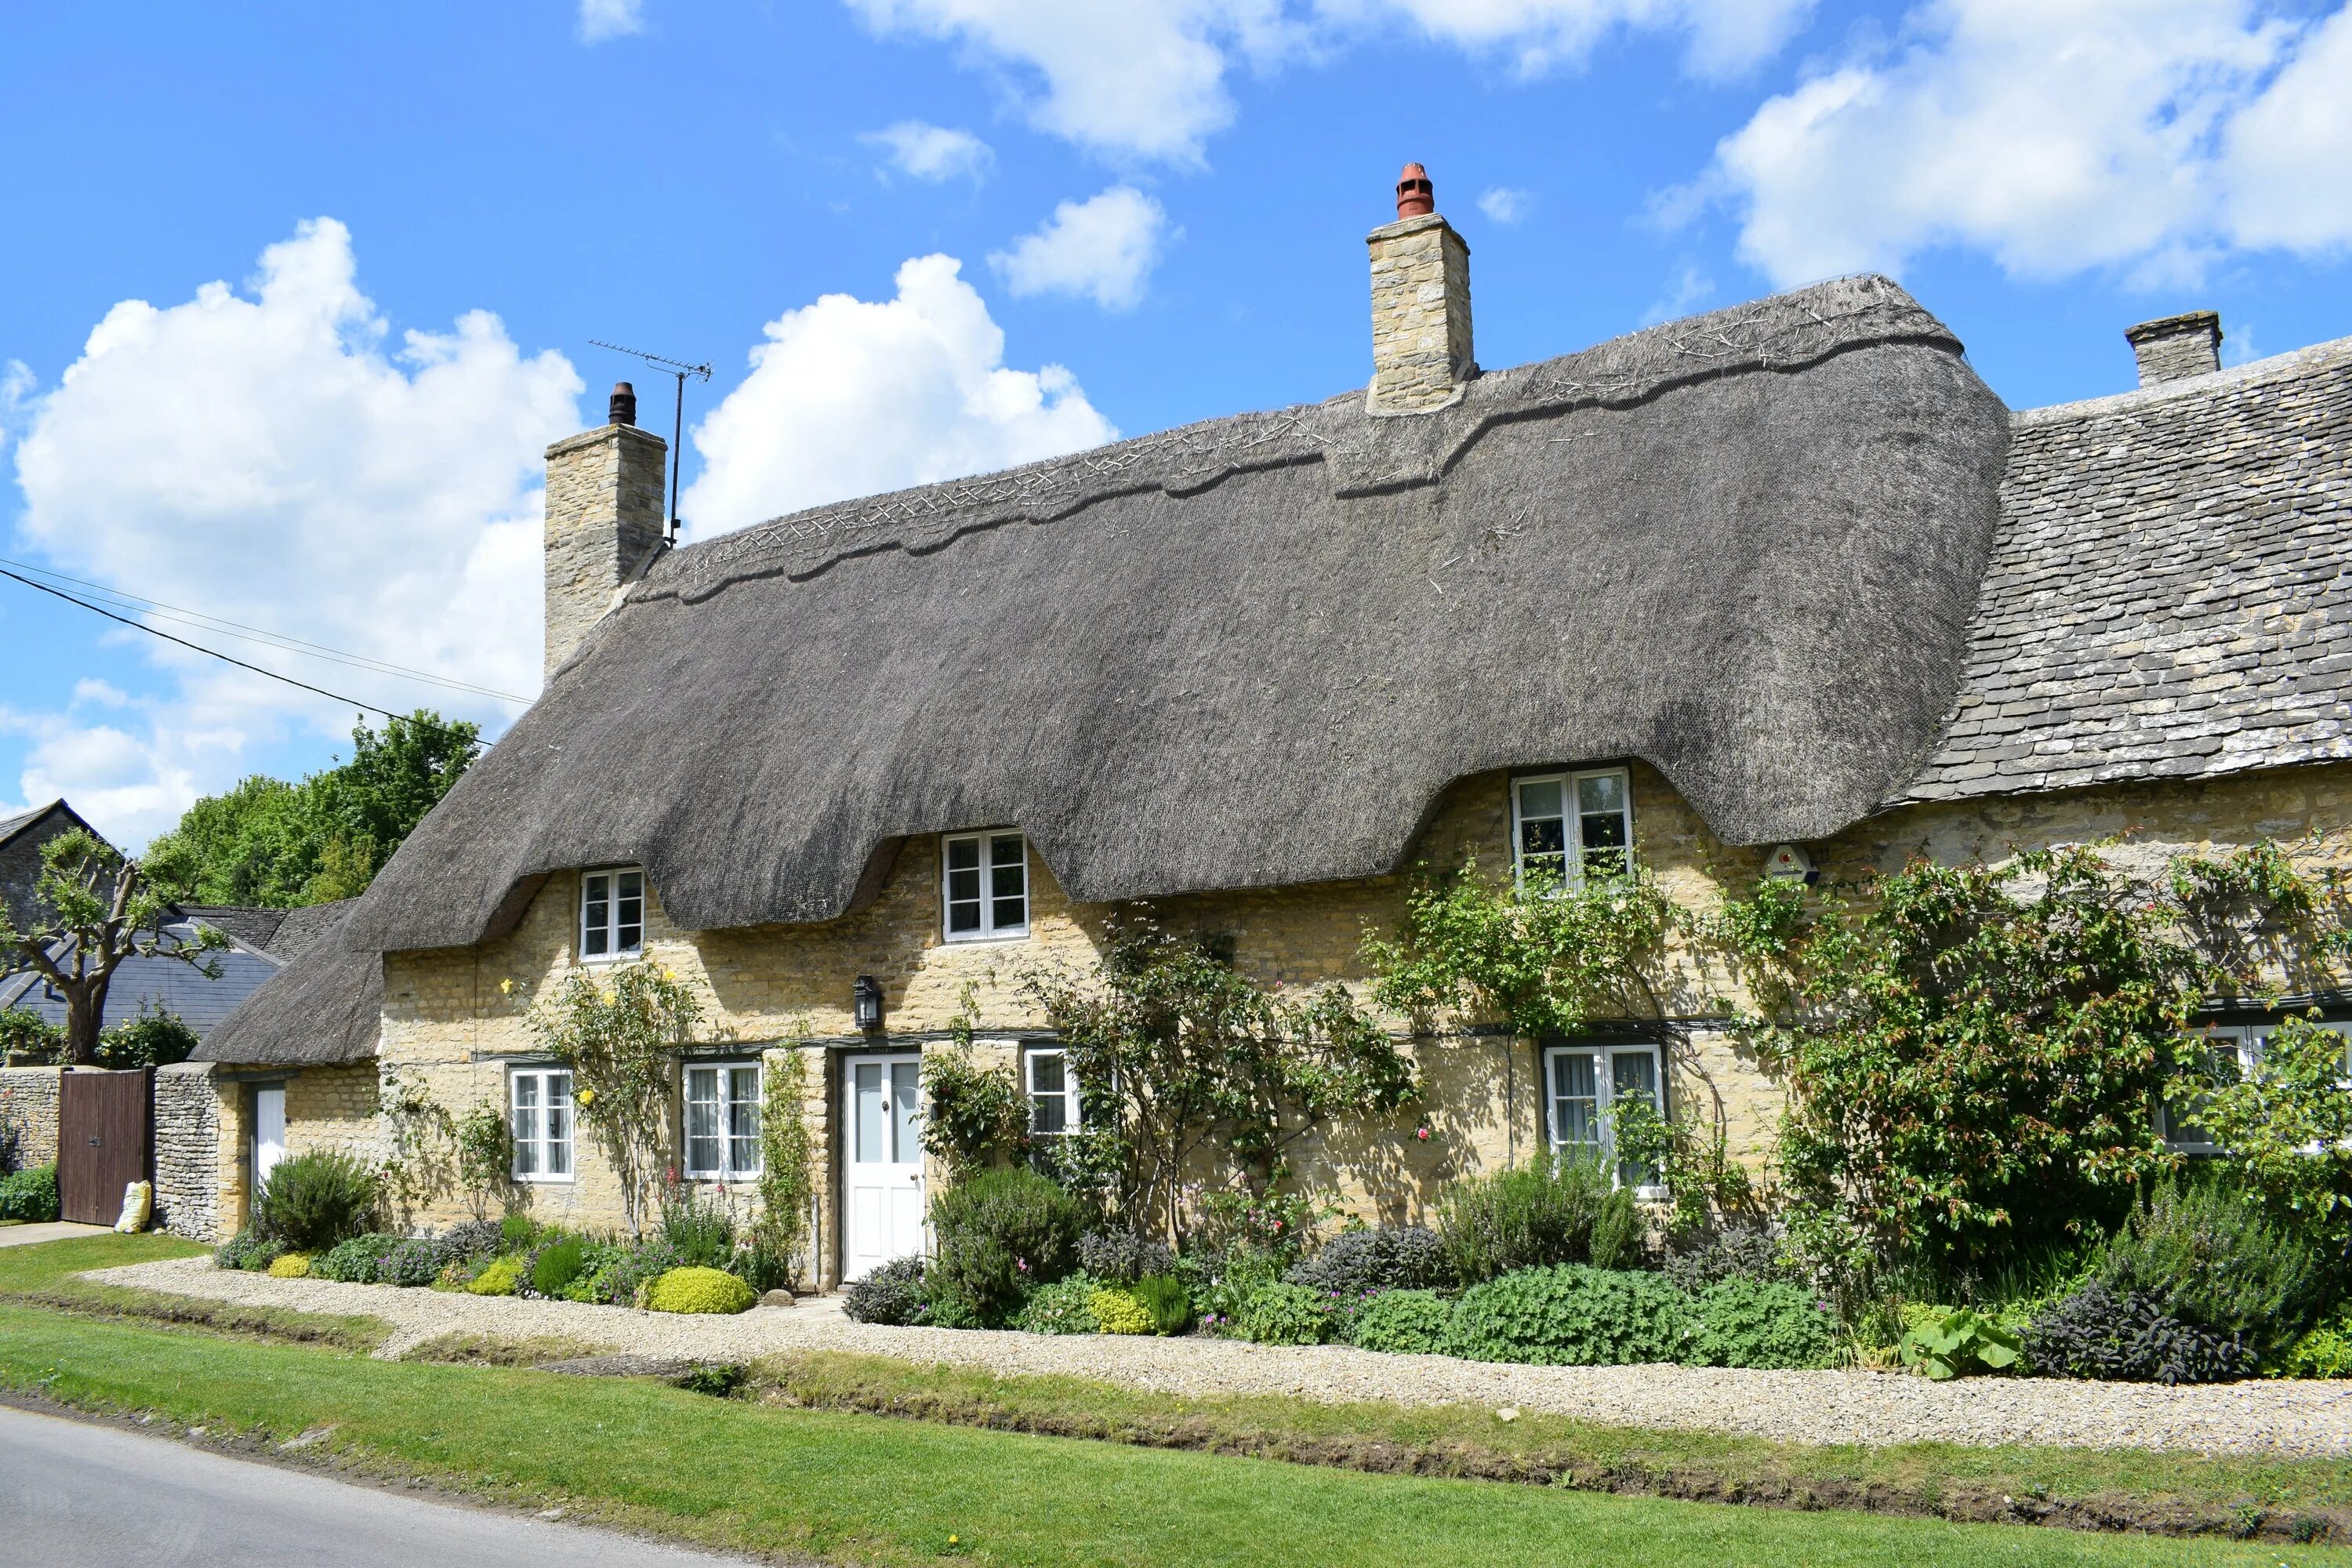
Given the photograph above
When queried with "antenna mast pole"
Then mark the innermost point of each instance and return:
(681, 370)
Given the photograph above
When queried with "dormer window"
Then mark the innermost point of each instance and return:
(985, 885)
(1565, 824)
(611, 914)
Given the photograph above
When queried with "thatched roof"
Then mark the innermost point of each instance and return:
(1743, 547)
(2170, 595)
(323, 1008)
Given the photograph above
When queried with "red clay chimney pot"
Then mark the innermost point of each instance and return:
(1416, 197)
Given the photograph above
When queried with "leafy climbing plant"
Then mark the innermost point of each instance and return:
(617, 1037)
(787, 1165)
(484, 1149)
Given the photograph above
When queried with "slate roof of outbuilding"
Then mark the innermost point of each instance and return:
(323, 1008)
(2170, 592)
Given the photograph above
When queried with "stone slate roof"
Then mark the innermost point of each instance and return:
(250, 924)
(201, 1001)
(323, 1008)
(2170, 595)
(1744, 547)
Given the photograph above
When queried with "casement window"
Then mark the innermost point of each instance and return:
(1564, 825)
(611, 914)
(2242, 1047)
(1583, 1087)
(1052, 1092)
(540, 1112)
(985, 885)
(722, 1121)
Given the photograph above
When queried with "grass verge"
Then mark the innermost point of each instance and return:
(2168, 1493)
(741, 1475)
(43, 1276)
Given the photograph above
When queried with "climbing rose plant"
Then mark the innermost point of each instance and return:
(617, 1037)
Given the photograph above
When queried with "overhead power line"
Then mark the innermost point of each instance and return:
(220, 626)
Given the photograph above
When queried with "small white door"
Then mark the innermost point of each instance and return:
(268, 1132)
(882, 1181)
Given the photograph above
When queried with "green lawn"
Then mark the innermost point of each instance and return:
(860, 1488)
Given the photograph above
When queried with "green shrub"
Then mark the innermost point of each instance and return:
(1065, 1307)
(1118, 1313)
(891, 1295)
(694, 1289)
(1958, 1343)
(2121, 1336)
(2325, 1351)
(1002, 1234)
(556, 1265)
(156, 1037)
(1228, 1283)
(1122, 1257)
(698, 1227)
(1284, 1314)
(1168, 1301)
(517, 1232)
(290, 1265)
(1385, 1257)
(412, 1265)
(1550, 1210)
(1573, 1315)
(1750, 1322)
(496, 1279)
(621, 1270)
(314, 1202)
(475, 1238)
(356, 1261)
(30, 1195)
(2203, 1251)
(1404, 1322)
(248, 1251)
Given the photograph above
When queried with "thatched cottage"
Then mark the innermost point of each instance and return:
(1784, 581)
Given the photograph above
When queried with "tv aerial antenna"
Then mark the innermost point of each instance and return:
(681, 370)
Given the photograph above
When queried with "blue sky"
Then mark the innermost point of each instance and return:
(297, 294)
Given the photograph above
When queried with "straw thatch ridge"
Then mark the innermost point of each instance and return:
(322, 1009)
(1251, 652)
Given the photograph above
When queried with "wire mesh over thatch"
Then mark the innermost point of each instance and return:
(322, 1008)
(1743, 547)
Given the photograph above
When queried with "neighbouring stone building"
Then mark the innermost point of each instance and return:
(1785, 583)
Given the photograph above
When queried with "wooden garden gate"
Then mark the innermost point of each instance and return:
(105, 1141)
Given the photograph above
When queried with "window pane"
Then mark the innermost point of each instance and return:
(525, 1124)
(1049, 1105)
(963, 885)
(558, 1124)
(1597, 794)
(743, 1121)
(1601, 824)
(595, 916)
(1633, 1074)
(873, 1111)
(963, 855)
(1008, 883)
(1538, 798)
(1576, 1121)
(907, 1111)
(702, 1121)
(629, 918)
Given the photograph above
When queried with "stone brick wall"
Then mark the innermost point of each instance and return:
(2176, 347)
(188, 1151)
(459, 1019)
(605, 496)
(28, 1102)
(334, 1107)
(1422, 350)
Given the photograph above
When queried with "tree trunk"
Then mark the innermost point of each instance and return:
(85, 1006)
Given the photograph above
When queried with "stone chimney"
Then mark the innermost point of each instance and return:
(604, 519)
(2176, 347)
(1421, 305)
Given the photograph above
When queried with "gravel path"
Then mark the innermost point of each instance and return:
(2300, 1417)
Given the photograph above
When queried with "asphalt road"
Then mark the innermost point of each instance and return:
(71, 1492)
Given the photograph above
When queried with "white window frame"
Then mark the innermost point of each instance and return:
(537, 1146)
(990, 845)
(614, 901)
(724, 1081)
(2247, 1043)
(1603, 1054)
(1574, 850)
(1074, 1119)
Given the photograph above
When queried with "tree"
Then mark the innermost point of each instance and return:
(617, 1039)
(273, 843)
(101, 910)
(1178, 1054)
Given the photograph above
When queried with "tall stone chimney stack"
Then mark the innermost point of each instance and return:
(1421, 355)
(604, 519)
(2176, 347)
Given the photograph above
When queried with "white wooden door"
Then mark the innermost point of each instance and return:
(882, 1178)
(268, 1132)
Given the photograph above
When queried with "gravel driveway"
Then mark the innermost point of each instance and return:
(2301, 1417)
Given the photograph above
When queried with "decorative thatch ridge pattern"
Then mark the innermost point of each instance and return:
(1251, 652)
(323, 1008)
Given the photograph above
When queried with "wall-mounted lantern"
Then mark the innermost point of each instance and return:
(868, 1008)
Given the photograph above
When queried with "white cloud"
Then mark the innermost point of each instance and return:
(1505, 204)
(1692, 287)
(16, 383)
(603, 19)
(267, 458)
(932, 153)
(2054, 135)
(1146, 78)
(851, 397)
(1104, 246)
